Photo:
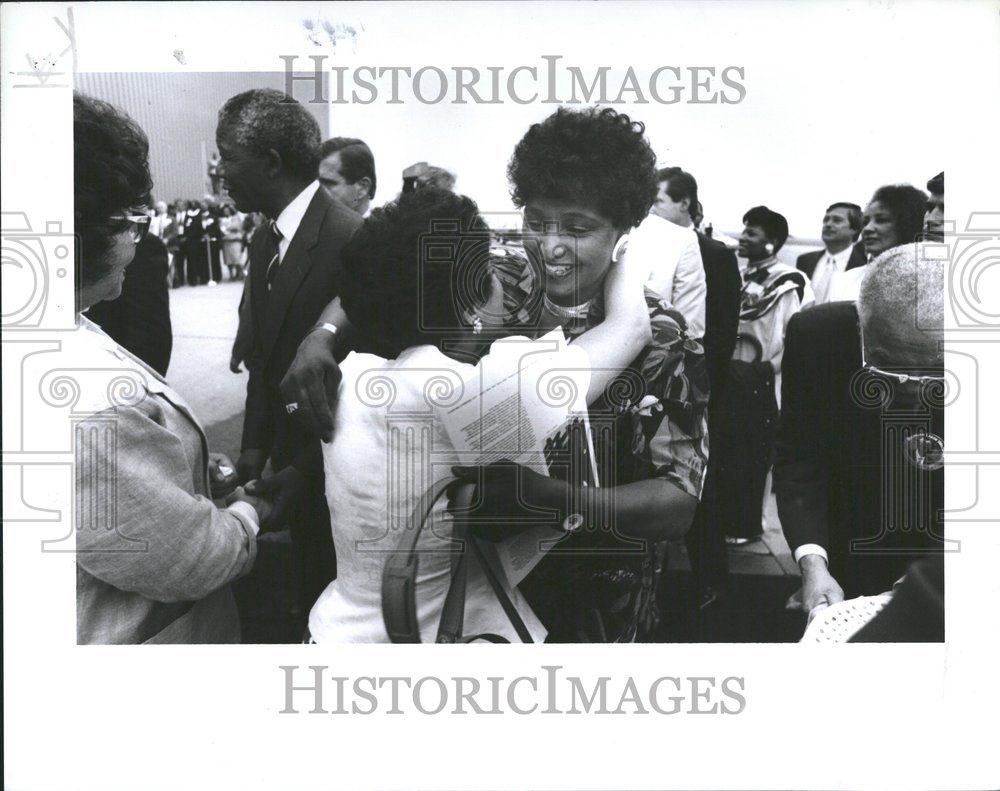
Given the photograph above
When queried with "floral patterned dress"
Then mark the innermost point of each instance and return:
(651, 422)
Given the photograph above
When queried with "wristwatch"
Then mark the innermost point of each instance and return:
(572, 523)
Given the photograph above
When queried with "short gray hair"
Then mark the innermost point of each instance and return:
(901, 307)
(263, 119)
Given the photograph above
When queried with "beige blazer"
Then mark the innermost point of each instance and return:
(155, 556)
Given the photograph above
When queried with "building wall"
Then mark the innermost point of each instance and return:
(178, 112)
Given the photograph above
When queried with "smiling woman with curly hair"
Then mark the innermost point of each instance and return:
(584, 178)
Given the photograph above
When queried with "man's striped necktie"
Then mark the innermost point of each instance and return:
(274, 237)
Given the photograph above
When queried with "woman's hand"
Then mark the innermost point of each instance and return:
(625, 303)
(510, 498)
(283, 492)
(222, 476)
(625, 331)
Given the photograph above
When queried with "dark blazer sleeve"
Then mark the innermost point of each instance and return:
(800, 475)
(258, 419)
(722, 306)
(807, 262)
(728, 317)
(858, 256)
(340, 224)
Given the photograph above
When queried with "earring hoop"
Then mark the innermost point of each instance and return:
(620, 246)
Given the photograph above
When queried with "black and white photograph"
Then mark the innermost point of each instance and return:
(609, 345)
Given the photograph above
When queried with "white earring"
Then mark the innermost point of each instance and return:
(620, 247)
(477, 326)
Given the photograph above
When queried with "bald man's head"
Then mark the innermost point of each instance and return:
(901, 307)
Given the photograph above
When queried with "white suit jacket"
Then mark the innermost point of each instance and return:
(671, 258)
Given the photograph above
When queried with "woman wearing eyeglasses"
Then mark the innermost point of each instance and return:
(154, 555)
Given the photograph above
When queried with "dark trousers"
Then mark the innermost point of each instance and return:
(706, 540)
(178, 261)
(313, 557)
(197, 263)
(215, 257)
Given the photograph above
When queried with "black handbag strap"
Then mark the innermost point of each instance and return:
(508, 606)
(399, 576)
(453, 609)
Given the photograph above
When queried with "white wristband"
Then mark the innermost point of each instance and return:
(810, 549)
(331, 328)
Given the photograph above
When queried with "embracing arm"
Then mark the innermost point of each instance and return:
(625, 331)
(511, 497)
(654, 509)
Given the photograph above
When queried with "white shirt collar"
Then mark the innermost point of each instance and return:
(840, 259)
(290, 219)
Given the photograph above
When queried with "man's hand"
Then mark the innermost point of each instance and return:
(311, 382)
(250, 465)
(284, 492)
(819, 588)
(260, 505)
(234, 364)
(221, 475)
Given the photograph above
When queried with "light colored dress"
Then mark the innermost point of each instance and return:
(388, 448)
(232, 240)
(773, 292)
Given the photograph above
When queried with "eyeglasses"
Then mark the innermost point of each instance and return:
(138, 224)
(902, 377)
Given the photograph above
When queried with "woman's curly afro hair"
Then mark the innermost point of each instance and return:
(597, 157)
(415, 266)
(110, 175)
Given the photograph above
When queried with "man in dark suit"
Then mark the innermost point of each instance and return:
(842, 252)
(139, 318)
(857, 473)
(270, 148)
(678, 202)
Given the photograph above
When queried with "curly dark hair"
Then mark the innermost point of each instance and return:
(415, 266)
(907, 205)
(596, 156)
(110, 175)
(263, 119)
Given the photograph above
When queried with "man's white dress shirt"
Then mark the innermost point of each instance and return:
(831, 281)
(290, 219)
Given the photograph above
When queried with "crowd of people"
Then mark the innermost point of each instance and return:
(200, 238)
(708, 371)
